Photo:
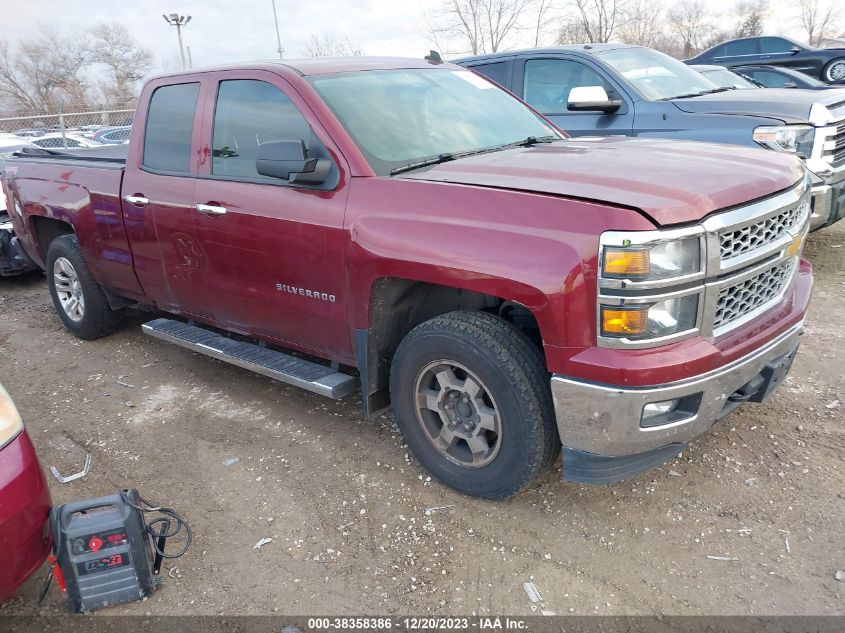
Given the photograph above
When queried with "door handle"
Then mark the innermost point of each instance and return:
(211, 209)
(138, 201)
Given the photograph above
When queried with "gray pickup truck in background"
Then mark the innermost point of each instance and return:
(618, 89)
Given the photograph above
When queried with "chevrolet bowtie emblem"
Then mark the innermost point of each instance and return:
(794, 247)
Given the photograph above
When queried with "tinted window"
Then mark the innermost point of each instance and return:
(497, 72)
(741, 47)
(549, 81)
(170, 121)
(719, 51)
(250, 112)
(118, 135)
(775, 45)
(770, 79)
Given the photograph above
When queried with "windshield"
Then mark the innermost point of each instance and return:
(724, 78)
(655, 75)
(400, 117)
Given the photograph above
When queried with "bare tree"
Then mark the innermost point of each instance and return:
(689, 22)
(480, 26)
(642, 23)
(44, 72)
(820, 19)
(325, 45)
(750, 17)
(125, 60)
(599, 19)
(543, 10)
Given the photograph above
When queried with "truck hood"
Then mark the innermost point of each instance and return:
(671, 181)
(783, 104)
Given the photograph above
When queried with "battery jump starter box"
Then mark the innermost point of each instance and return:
(102, 547)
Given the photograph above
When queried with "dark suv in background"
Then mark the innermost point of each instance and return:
(619, 89)
(827, 64)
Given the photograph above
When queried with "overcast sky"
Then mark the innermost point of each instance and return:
(223, 31)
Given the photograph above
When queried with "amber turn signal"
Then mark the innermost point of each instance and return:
(626, 262)
(624, 321)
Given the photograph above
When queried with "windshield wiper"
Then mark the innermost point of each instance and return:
(689, 95)
(444, 158)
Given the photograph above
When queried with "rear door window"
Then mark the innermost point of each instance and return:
(170, 124)
(250, 112)
(497, 72)
(741, 47)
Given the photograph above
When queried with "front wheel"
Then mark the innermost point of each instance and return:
(472, 399)
(79, 300)
(834, 72)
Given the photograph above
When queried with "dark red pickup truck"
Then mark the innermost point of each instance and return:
(412, 228)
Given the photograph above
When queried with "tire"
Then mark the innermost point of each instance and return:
(79, 300)
(834, 72)
(513, 436)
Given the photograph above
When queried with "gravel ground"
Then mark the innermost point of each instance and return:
(358, 527)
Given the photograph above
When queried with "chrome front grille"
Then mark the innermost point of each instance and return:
(839, 145)
(749, 259)
(739, 300)
(734, 242)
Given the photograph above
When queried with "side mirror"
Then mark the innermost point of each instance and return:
(592, 99)
(794, 50)
(789, 84)
(288, 160)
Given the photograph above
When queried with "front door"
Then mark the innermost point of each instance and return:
(274, 251)
(545, 83)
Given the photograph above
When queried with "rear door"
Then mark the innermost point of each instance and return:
(157, 191)
(545, 84)
(273, 251)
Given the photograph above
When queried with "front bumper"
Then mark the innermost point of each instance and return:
(828, 198)
(24, 510)
(601, 425)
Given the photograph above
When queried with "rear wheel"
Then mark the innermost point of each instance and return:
(79, 300)
(835, 71)
(471, 396)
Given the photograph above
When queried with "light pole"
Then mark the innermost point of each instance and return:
(279, 50)
(174, 19)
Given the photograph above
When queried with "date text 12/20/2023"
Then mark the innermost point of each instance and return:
(417, 623)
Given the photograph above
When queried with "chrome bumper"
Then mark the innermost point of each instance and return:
(828, 198)
(605, 419)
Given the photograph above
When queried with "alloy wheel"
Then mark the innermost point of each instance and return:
(457, 414)
(68, 289)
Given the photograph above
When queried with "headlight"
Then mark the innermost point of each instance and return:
(10, 420)
(795, 139)
(650, 320)
(666, 260)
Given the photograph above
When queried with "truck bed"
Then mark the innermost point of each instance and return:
(104, 156)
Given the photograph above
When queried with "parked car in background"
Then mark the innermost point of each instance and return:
(619, 89)
(782, 77)
(88, 131)
(13, 259)
(31, 131)
(725, 78)
(57, 140)
(113, 135)
(506, 290)
(826, 64)
(24, 502)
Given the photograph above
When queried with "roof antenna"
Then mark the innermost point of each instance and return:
(433, 57)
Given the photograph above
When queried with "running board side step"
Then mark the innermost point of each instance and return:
(282, 367)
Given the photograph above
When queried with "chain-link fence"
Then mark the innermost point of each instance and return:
(39, 125)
